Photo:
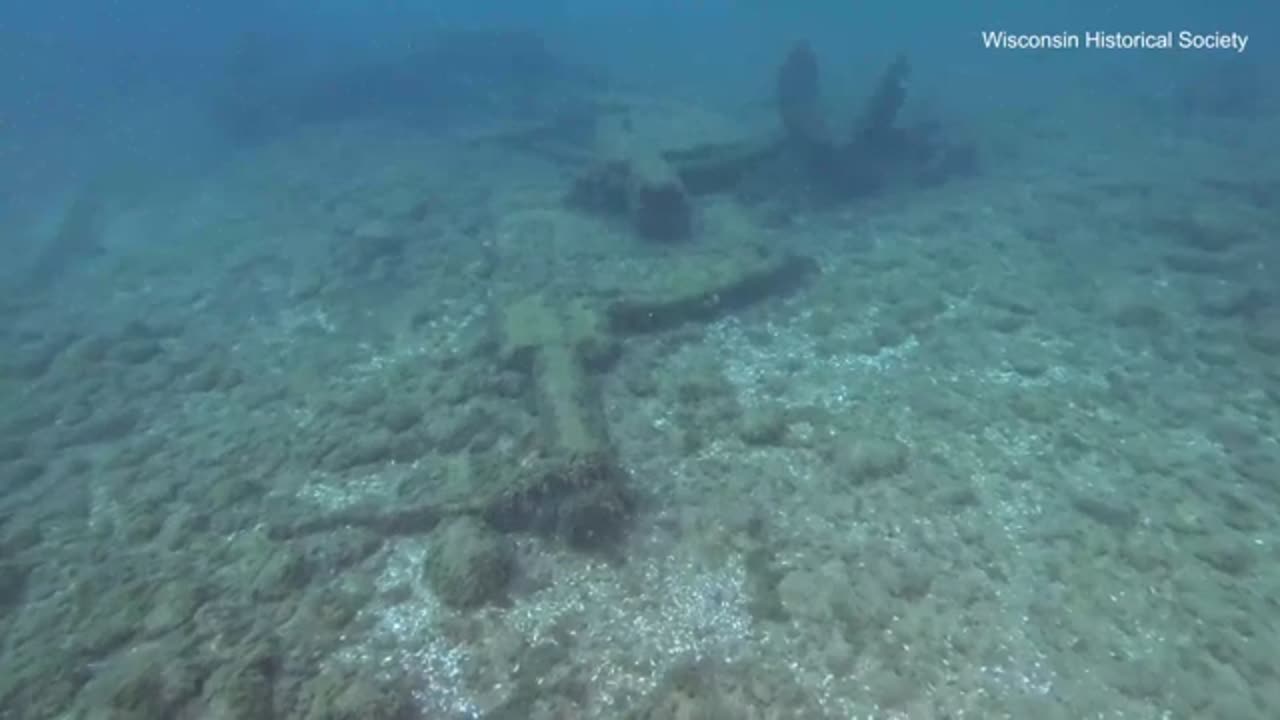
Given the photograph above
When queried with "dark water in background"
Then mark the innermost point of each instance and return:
(173, 419)
(81, 69)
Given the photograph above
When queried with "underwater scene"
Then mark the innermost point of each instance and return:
(649, 360)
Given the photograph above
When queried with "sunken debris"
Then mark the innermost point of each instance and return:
(568, 484)
(642, 188)
(655, 193)
(573, 488)
(799, 100)
(715, 290)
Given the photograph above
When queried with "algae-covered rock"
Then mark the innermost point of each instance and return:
(580, 499)
(327, 610)
(864, 459)
(344, 695)
(400, 416)
(282, 571)
(470, 564)
(710, 689)
(172, 605)
(245, 688)
(359, 449)
(153, 681)
(764, 426)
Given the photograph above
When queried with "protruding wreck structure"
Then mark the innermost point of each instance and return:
(573, 487)
(641, 187)
(654, 191)
(799, 99)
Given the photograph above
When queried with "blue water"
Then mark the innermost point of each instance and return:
(639, 360)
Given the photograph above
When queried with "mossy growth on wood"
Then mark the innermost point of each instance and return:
(704, 291)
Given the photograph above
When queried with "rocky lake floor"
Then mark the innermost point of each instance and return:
(1012, 452)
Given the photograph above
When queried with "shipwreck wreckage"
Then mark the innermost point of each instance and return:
(563, 343)
(563, 340)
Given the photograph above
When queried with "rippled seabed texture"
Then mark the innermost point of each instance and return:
(1010, 452)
